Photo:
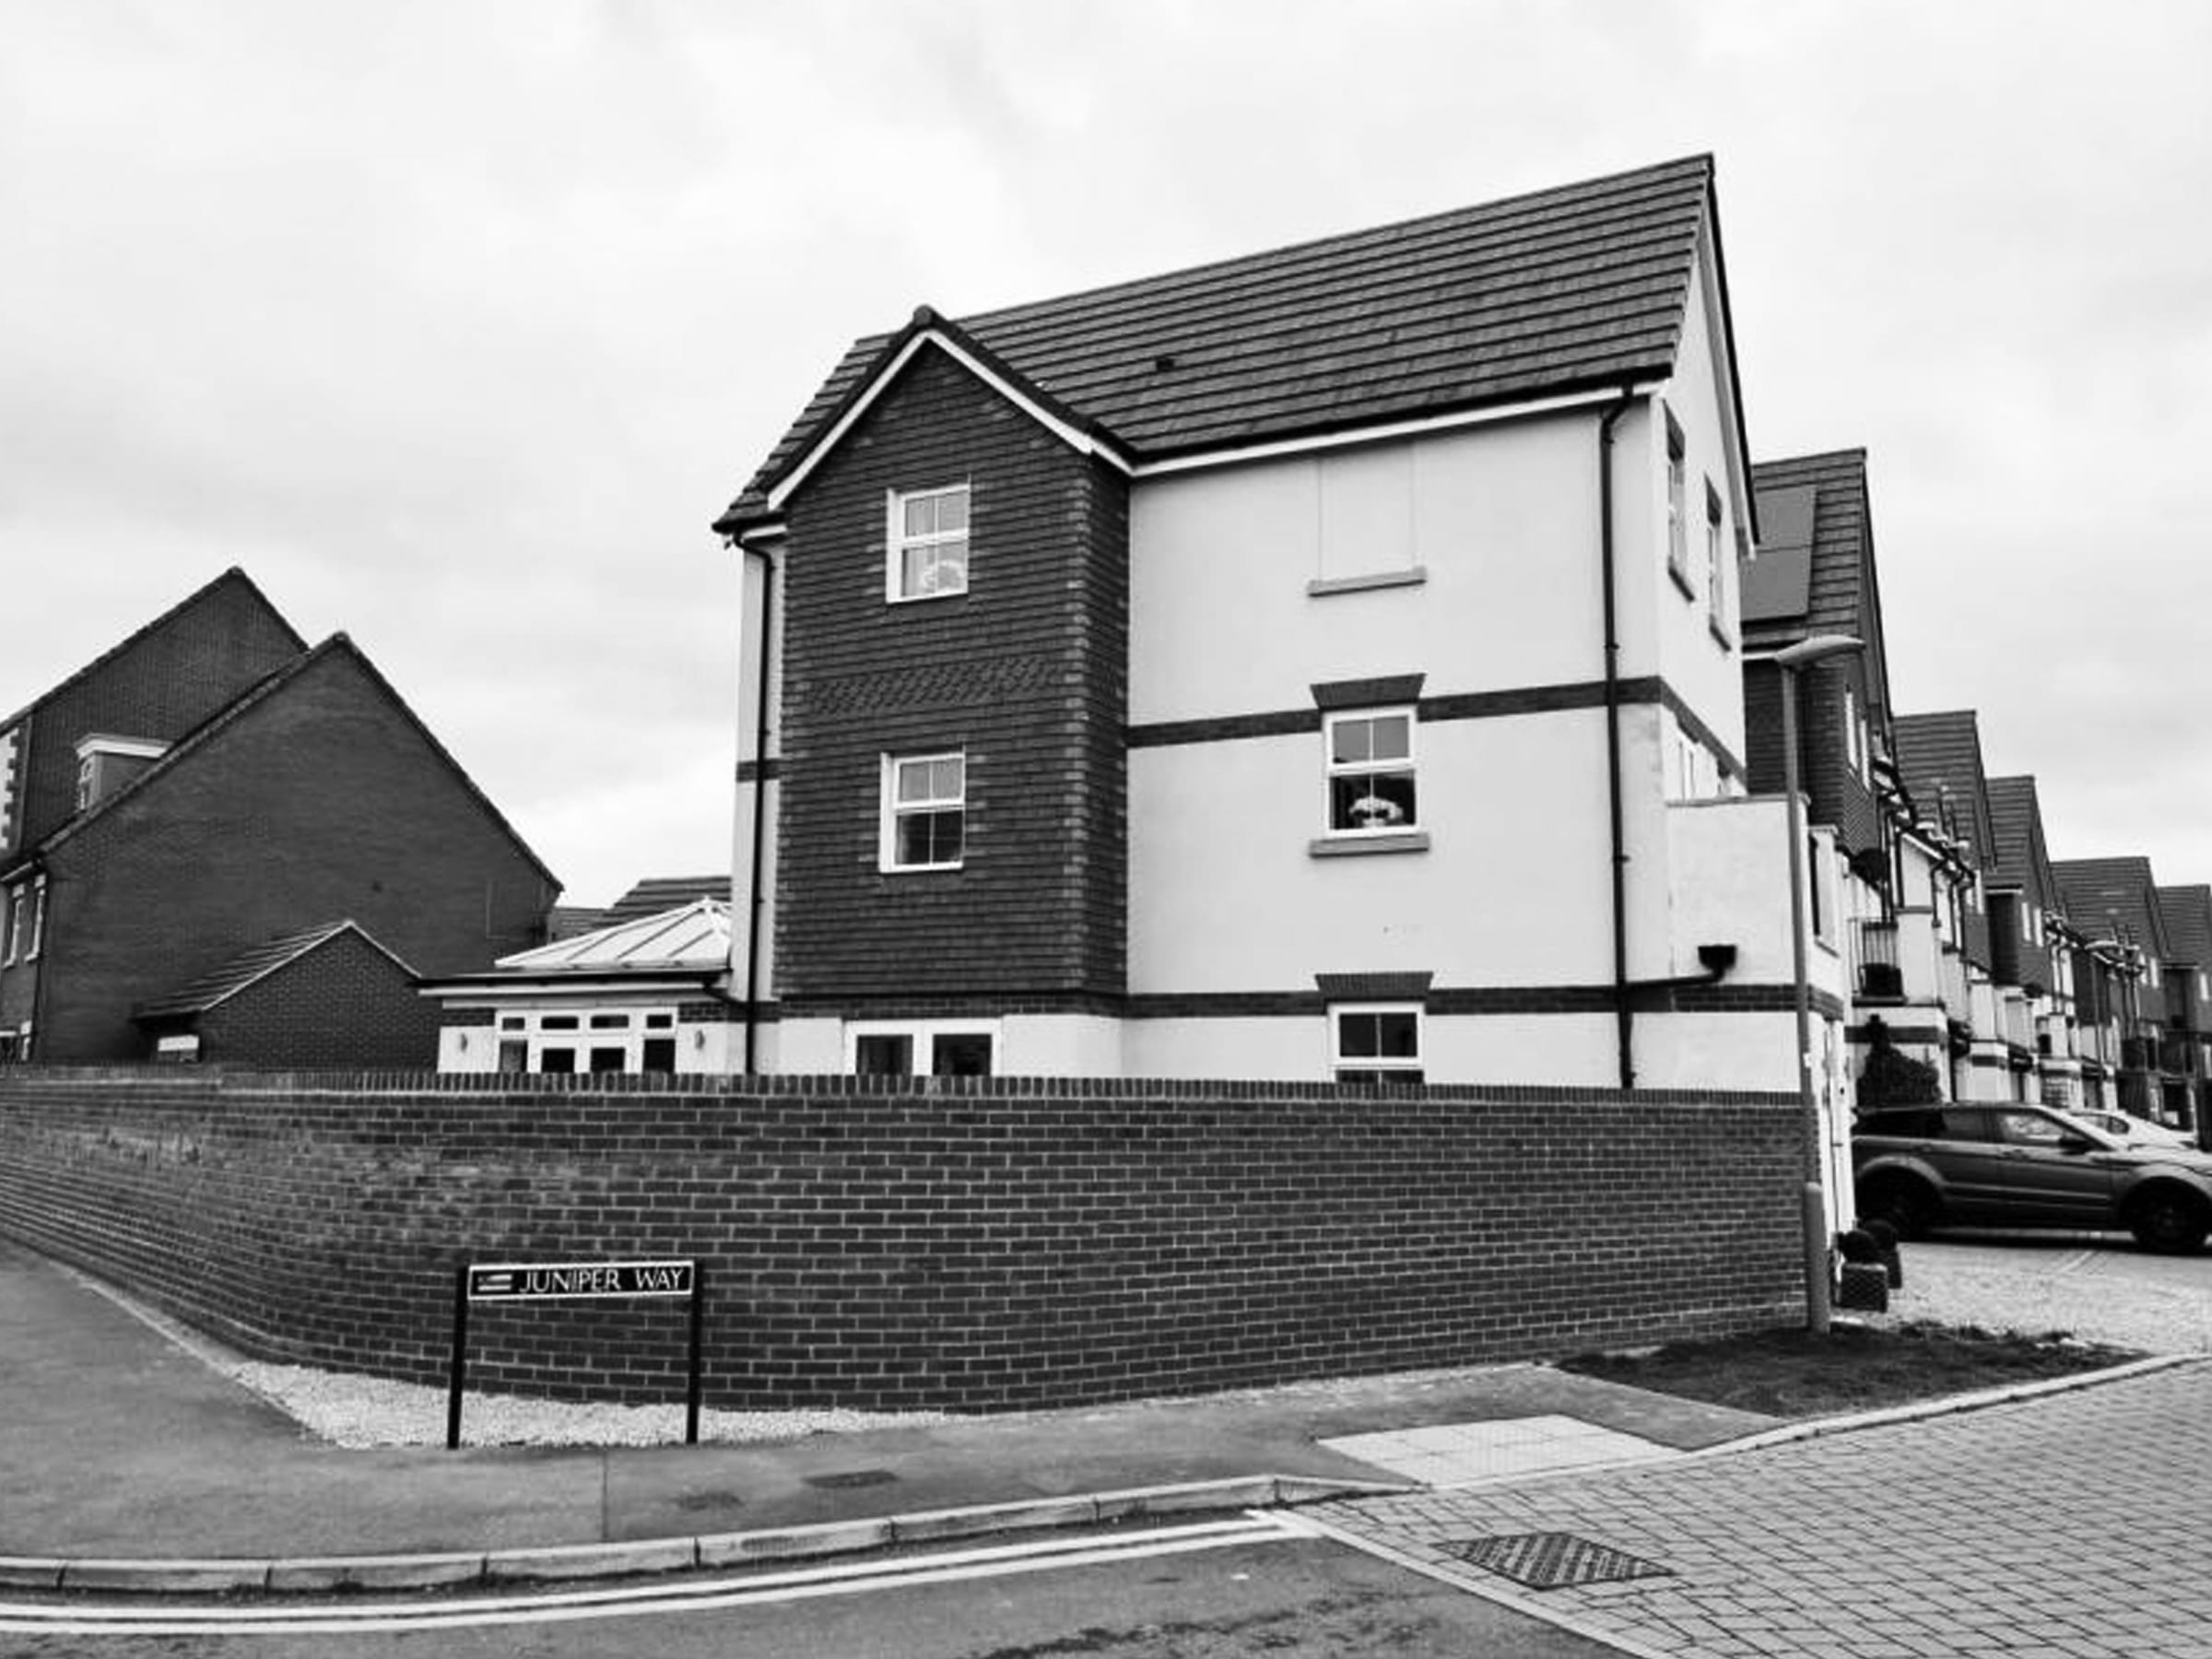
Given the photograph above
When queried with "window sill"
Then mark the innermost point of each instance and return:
(1414, 576)
(1681, 576)
(1355, 846)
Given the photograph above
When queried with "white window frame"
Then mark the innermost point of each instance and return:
(1678, 507)
(899, 543)
(38, 919)
(922, 1035)
(891, 809)
(640, 1024)
(1340, 1063)
(1332, 769)
(11, 903)
(1715, 567)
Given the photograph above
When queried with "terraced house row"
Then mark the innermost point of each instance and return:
(1360, 660)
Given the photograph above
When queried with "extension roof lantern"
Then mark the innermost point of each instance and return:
(1562, 294)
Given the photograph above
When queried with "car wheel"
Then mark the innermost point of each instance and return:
(2170, 1221)
(1904, 1202)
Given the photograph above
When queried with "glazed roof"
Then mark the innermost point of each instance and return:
(691, 938)
(655, 894)
(1581, 288)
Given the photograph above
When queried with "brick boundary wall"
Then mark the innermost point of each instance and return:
(958, 1244)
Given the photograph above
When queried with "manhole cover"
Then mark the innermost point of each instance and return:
(853, 1477)
(1553, 1560)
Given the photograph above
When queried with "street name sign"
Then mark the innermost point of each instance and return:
(545, 1281)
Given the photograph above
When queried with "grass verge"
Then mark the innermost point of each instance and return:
(1792, 1373)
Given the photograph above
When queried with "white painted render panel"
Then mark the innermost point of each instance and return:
(1502, 519)
(1226, 896)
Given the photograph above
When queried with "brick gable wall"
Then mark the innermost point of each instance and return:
(318, 803)
(1837, 795)
(159, 686)
(968, 1244)
(1026, 672)
(344, 1004)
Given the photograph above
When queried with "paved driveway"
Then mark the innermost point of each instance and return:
(2099, 1287)
(2068, 1526)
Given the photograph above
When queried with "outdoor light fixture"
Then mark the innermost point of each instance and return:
(1793, 660)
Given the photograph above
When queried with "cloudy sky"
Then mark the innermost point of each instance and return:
(454, 325)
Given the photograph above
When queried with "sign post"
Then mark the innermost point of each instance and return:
(573, 1281)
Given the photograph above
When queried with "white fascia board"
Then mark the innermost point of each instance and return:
(1389, 431)
(1080, 441)
(596, 986)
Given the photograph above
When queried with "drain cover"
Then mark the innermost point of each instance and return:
(853, 1477)
(1553, 1560)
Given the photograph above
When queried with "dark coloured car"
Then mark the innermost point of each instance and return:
(1996, 1165)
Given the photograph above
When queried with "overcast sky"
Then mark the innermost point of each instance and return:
(455, 324)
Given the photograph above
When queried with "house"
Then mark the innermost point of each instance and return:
(1816, 576)
(2031, 950)
(1321, 664)
(1945, 791)
(2185, 913)
(645, 994)
(211, 785)
(2121, 978)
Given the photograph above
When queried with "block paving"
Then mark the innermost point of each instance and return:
(2061, 1528)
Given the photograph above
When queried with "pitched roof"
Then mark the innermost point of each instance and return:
(655, 894)
(1939, 763)
(693, 937)
(2112, 892)
(2186, 913)
(1578, 289)
(249, 966)
(233, 577)
(1814, 572)
(2016, 816)
(181, 752)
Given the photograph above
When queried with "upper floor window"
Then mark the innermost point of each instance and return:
(38, 915)
(928, 541)
(1716, 567)
(1677, 508)
(924, 811)
(88, 769)
(1376, 1043)
(1370, 771)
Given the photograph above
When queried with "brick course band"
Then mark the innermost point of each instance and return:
(960, 1244)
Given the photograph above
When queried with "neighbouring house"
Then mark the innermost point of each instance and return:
(1324, 664)
(2186, 914)
(1816, 576)
(210, 786)
(327, 997)
(657, 895)
(1946, 793)
(645, 994)
(2031, 950)
(2121, 977)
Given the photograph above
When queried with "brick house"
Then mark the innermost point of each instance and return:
(2122, 980)
(2186, 914)
(1318, 664)
(2031, 950)
(1946, 794)
(211, 785)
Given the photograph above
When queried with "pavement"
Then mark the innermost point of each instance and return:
(1654, 1525)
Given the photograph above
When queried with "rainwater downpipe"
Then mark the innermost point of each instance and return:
(753, 909)
(1624, 1017)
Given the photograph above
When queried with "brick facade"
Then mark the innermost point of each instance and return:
(971, 1244)
(345, 1003)
(1026, 671)
(159, 683)
(320, 801)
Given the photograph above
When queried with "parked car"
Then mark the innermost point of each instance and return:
(1920, 1167)
(2121, 1126)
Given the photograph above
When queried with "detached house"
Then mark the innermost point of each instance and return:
(1323, 663)
(218, 839)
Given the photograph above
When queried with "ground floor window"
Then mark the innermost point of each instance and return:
(1375, 1043)
(922, 1049)
(610, 1041)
